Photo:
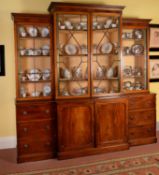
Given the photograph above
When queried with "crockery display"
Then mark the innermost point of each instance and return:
(44, 32)
(106, 48)
(32, 31)
(70, 49)
(137, 49)
(34, 74)
(46, 90)
(46, 73)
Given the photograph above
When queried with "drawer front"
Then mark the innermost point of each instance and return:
(44, 129)
(35, 111)
(35, 146)
(141, 101)
(139, 118)
(142, 132)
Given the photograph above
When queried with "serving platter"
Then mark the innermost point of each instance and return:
(106, 48)
(70, 49)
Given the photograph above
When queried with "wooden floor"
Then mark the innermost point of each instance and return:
(8, 162)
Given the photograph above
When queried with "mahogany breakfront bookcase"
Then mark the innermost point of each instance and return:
(82, 82)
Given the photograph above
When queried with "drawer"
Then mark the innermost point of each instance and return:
(44, 129)
(141, 101)
(35, 146)
(35, 111)
(142, 132)
(139, 118)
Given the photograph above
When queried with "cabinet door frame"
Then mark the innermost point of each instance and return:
(114, 14)
(57, 96)
(111, 101)
(62, 105)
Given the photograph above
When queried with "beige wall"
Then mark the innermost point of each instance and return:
(135, 8)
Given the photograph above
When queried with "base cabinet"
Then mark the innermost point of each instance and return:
(75, 127)
(142, 119)
(81, 131)
(111, 122)
(36, 130)
(71, 128)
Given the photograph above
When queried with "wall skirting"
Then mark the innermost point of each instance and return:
(11, 142)
(8, 142)
(157, 126)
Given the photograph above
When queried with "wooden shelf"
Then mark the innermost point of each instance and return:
(133, 77)
(133, 39)
(72, 30)
(29, 37)
(39, 81)
(104, 54)
(77, 55)
(33, 56)
(107, 29)
(73, 79)
(113, 78)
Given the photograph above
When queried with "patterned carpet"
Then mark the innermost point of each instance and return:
(147, 164)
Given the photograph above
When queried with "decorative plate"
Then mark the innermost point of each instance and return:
(138, 34)
(70, 49)
(44, 32)
(127, 84)
(137, 49)
(33, 31)
(46, 74)
(34, 75)
(106, 48)
(46, 90)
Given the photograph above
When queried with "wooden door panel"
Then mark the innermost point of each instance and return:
(75, 126)
(111, 119)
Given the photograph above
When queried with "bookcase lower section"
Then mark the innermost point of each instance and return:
(73, 128)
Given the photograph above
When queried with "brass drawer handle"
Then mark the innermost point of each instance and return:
(48, 144)
(149, 129)
(47, 127)
(26, 146)
(47, 111)
(25, 129)
(25, 113)
(132, 133)
(131, 118)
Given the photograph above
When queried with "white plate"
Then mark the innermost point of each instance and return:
(70, 49)
(33, 31)
(46, 90)
(46, 74)
(138, 34)
(137, 49)
(44, 32)
(106, 48)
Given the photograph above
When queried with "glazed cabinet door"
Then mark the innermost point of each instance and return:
(75, 126)
(111, 122)
(72, 52)
(33, 48)
(105, 60)
(135, 46)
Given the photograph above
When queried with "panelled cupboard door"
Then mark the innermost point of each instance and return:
(111, 122)
(75, 126)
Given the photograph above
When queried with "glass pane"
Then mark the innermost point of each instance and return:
(34, 61)
(134, 59)
(72, 55)
(106, 57)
